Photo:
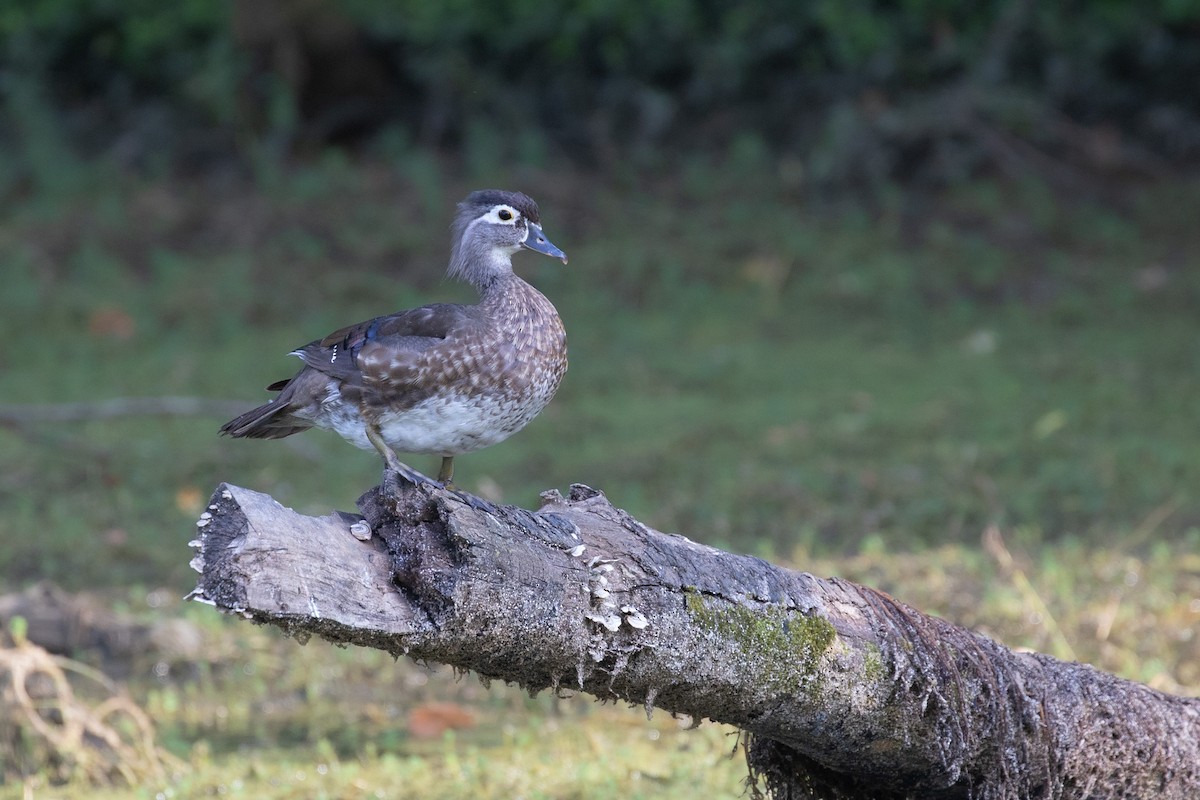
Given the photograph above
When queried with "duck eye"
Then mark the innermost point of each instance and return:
(504, 214)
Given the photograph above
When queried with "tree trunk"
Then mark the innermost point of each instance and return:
(843, 691)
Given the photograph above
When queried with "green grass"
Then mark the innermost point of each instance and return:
(753, 372)
(855, 393)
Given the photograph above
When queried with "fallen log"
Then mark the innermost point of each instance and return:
(843, 692)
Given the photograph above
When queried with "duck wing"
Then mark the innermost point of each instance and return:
(384, 353)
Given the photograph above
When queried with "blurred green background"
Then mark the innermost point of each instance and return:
(850, 283)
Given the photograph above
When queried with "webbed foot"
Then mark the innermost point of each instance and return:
(394, 467)
(395, 470)
(477, 503)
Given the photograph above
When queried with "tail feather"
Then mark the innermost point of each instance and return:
(271, 420)
(268, 421)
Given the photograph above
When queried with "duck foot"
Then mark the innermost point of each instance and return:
(395, 468)
(393, 472)
(477, 503)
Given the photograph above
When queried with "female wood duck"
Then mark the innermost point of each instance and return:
(442, 379)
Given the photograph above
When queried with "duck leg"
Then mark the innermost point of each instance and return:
(394, 464)
(446, 476)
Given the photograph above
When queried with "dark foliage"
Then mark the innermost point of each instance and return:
(862, 91)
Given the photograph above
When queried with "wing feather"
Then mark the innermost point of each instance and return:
(385, 351)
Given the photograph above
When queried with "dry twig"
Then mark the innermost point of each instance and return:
(45, 725)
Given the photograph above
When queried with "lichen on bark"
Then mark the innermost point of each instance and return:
(789, 642)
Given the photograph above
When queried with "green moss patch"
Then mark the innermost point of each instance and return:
(788, 643)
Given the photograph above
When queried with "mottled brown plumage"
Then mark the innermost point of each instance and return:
(441, 379)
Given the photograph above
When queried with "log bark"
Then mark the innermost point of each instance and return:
(843, 692)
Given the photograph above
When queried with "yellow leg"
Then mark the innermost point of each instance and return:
(393, 462)
(446, 474)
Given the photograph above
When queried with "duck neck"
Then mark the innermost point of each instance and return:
(478, 264)
(495, 287)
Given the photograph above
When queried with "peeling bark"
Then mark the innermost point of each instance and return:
(843, 691)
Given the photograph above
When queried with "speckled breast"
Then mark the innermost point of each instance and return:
(480, 387)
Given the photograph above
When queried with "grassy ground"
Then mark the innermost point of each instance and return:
(855, 393)
(755, 373)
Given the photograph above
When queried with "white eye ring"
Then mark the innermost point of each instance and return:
(505, 215)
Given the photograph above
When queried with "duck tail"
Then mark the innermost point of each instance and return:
(271, 420)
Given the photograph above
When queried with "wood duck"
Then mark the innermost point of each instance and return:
(442, 379)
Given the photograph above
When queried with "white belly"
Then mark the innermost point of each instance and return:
(441, 426)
